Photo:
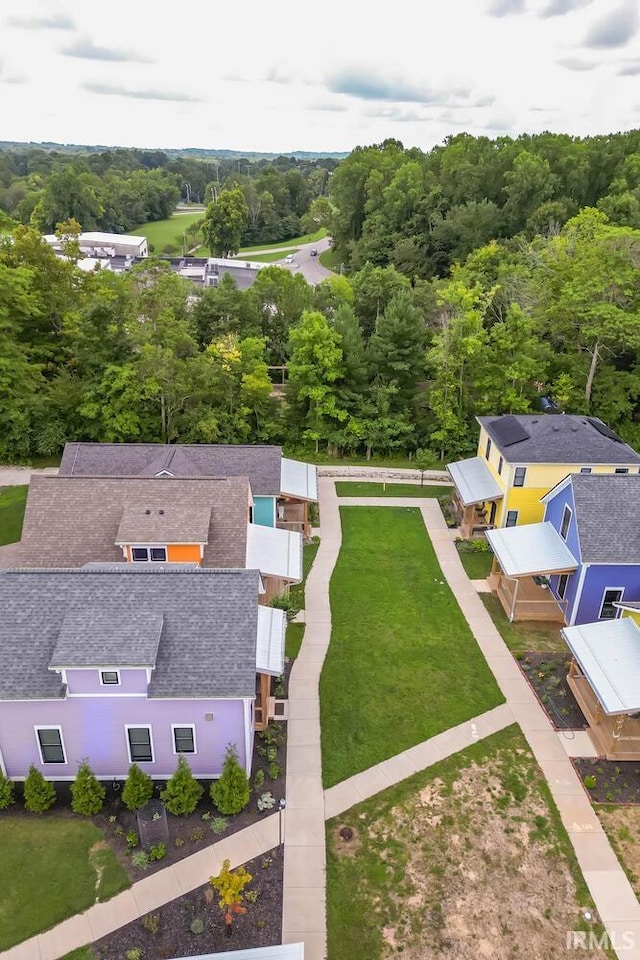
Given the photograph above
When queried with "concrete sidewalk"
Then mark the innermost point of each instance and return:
(149, 893)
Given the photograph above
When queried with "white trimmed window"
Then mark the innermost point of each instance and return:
(622, 470)
(109, 678)
(611, 596)
(563, 580)
(519, 476)
(566, 521)
(512, 518)
(51, 744)
(184, 738)
(149, 554)
(140, 744)
(487, 450)
(500, 464)
(585, 469)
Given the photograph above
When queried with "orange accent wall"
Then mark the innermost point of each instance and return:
(183, 553)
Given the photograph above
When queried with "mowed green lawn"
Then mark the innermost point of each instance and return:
(12, 503)
(51, 869)
(347, 488)
(161, 232)
(402, 664)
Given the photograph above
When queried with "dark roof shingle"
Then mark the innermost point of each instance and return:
(608, 517)
(557, 438)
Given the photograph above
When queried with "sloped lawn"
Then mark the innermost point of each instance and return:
(50, 869)
(403, 664)
(13, 501)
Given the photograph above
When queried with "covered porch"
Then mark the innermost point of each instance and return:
(524, 558)
(293, 515)
(604, 677)
(272, 626)
(477, 495)
(298, 488)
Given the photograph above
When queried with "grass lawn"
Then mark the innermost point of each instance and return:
(283, 244)
(12, 503)
(265, 257)
(402, 664)
(476, 562)
(541, 635)
(161, 232)
(365, 489)
(468, 858)
(51, 869)
(295, 631)
(82, 953)
(330, 260)
(622, 826)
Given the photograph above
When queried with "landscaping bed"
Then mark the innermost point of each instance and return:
(466, 860)
(547, 674)
(610, 781)
(193, 924)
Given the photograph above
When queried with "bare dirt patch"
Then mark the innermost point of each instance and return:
(475, 866)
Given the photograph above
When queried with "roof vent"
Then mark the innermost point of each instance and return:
(147, 512)
(555, 429)
(535, 420)
(161, 512)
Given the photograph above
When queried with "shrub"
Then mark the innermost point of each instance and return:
(87, 794)
(286, 603)
(231, 793)
(157, 852)
(183, 791)
(132, 839)
(258, 779)
(138, 789)
(196, 835)
(39, 794)
(230, 885)
(197, 926)
(590, 782)
(266, 802)
(151, 922)
(218, 825)
(134, 954)
(140, 859)
(274, 771)
(7, 787)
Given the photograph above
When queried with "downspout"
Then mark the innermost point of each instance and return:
(248, 736)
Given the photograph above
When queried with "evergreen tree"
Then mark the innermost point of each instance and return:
(39, 794)
(138, 789)
(87, 793)
(231, 791)
(7, 787)
(183, 791)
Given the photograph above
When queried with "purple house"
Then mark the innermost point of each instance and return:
(122, 664)
(582, 560)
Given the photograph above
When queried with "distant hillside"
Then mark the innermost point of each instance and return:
(194, 152)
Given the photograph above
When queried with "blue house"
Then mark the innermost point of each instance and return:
(581, 561)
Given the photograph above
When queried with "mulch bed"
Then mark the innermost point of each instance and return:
(610, 781)
(547, 674)
(193, 924)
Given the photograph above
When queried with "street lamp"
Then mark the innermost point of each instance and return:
(281, 807)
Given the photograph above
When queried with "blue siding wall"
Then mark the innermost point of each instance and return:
(554, 511)
(264, 511)
(600, 577)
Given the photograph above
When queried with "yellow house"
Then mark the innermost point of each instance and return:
(522, 456)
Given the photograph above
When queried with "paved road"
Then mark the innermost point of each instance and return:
(310, 267)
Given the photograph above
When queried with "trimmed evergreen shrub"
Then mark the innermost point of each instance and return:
(138, 788)
(39, 794)
(183, 791)
(232, 791)
(7, 787)
(87, 794)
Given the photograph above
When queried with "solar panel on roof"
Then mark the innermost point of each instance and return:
(508, 430)
(604, 429)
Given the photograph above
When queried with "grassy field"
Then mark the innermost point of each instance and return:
(12, 503)
(295, 631)
(51, 869)
(402, 664)
(476, 562)
(159, 233)
(330, 260)
(540, 635)
(357, 489)
(469, 858)
(266, 257)
(283, 244)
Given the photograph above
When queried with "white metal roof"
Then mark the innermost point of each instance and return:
(530, 549)
(285, 951)
(272, 626)
(608, 653)
(275, 553)
(474, 481)
(298, 479)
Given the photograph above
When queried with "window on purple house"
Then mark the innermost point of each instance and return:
(50, 743)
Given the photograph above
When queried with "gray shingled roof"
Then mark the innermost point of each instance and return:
(261, 463)
(144, 523)
(209, 634)
(103, 635)
(608, 517)
(560, 438)
(70, 521)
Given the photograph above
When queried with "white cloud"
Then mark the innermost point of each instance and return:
(326, 80)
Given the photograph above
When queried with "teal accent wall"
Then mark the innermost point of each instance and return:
(264, 511)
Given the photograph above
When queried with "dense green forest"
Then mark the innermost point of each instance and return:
(482, 275)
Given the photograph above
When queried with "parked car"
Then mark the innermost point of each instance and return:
(289, 258)
(313, 253)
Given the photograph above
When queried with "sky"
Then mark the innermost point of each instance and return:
(319, 76)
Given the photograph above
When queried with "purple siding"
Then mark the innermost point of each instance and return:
(88, 681)
(94, 728)
(554, 511)
(600, 577)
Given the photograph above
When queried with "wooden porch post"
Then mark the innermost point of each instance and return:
(514, 600)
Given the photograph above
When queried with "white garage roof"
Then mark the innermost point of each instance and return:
(533, 548)
(608, 653)
(474, 481)
(298, 479)
(274, 552)
(287, 951)
(272, 626)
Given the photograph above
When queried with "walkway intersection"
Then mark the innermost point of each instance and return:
(309, 806)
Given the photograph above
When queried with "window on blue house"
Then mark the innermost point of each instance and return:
(566, 522)
(562, 585)
(611, 596)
